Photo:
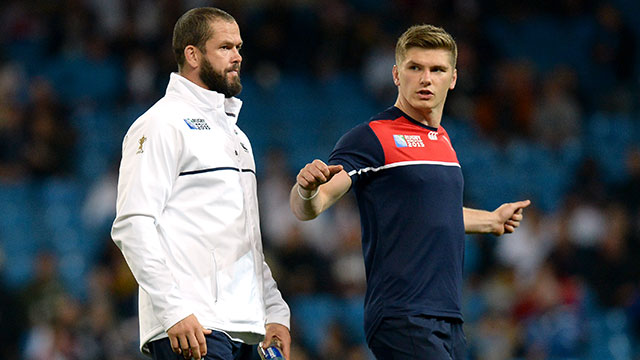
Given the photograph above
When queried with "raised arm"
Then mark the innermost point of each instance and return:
(504, 219)
(318, 186)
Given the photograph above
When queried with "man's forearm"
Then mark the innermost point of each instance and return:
(479, 221)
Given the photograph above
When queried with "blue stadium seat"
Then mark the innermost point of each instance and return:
(17, 223)
(609, 137)
(17, 269)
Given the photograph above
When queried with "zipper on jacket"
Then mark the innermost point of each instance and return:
(214, 278)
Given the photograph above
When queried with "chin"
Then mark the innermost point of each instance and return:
(422, 105)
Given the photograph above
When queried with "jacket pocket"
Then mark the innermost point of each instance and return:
(214, 278)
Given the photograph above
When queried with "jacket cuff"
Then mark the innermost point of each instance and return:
(282, 319)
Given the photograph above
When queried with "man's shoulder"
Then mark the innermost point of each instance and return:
(365, 128)
(387, 114)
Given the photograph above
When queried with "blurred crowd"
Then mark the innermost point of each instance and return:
(547, 107)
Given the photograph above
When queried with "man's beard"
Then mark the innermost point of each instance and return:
(218, 82)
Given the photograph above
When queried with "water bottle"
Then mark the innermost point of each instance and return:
(270, 353)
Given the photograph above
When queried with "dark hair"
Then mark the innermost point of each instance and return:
(194, 28)
(426, 37)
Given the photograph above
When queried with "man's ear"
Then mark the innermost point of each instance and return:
(454, 79)
(192, 56)
(396, 77)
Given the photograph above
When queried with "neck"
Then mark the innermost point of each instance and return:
(192, 76)
(427, 116)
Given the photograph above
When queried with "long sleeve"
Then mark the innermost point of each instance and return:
(277, 310)
(148, 170)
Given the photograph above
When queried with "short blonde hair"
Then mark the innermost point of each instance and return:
(426, 37)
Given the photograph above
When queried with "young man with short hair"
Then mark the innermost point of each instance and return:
(408, 184)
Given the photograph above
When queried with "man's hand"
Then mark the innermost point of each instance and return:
(315, 174)
(509, 216)
(187, 338)
(281, 335)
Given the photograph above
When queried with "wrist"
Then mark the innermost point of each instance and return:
(497, 225)
(305, 194)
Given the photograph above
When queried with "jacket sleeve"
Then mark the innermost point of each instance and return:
(149, 167)
(277, 309)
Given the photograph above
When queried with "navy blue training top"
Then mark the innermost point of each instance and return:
(408, 184)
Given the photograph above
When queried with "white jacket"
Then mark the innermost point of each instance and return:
(187, 217)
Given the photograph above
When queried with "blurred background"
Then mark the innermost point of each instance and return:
(546, 108)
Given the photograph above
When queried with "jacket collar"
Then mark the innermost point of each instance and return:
(203, 98)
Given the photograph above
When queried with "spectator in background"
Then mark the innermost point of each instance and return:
(45, 300)
(613, 273)
(56, 338)
(550, 311)
(13, 132)
(11, 315)
(115, 278)
(557, 115)
(45, 290)
(627, 192)
(13, 137)
(307, 271)
(526, 250)
(508, 109)
(141, 77)
(615, 57)
(49, 149)
(375, 72)
(99, 206)
(105, 330)
(347, 264)
(586, 219)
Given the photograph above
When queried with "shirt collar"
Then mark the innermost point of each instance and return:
(201, 97)
(412, 120)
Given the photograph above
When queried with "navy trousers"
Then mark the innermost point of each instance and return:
(219, 347)
(419, 337)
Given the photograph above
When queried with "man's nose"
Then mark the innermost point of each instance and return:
(236, 57)
(426, 78)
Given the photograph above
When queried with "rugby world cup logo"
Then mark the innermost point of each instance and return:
(408, 141)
